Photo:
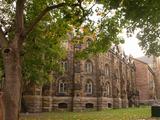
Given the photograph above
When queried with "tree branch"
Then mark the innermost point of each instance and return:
(3, 40)
(47, 9)
(80, 6)
(19, 16)
(41, 15)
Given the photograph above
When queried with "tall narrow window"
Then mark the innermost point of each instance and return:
(108, 89)
(89, 87)
(88, 67)
(62, 87)
(64, 65)
(106, 70)
(108, 54)
(89, 41)
(117, 74)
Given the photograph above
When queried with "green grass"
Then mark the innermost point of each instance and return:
(141, 113)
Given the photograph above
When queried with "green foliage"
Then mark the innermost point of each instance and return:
(144, 14)
(106, 34)
(43, 51)
(43, 48)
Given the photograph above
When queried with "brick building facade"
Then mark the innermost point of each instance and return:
(145, 82)
(106, 80)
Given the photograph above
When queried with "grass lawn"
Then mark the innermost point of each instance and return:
(141, 113)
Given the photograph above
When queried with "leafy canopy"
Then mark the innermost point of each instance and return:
(42, 50)
(144, 15)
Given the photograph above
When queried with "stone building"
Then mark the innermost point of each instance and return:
(106, 80)
(145, 82)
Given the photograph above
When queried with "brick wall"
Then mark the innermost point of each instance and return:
(143, 78)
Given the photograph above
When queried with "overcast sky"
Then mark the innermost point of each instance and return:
(131, 46)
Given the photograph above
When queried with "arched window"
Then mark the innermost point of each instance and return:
(62, 87)
(108, 89)
(64, 65)
(89, 41)
(89, 87)
(117, 74)
(106, 70)
(108, 54)
(88, 67)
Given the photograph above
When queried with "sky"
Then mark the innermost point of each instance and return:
(131, 46)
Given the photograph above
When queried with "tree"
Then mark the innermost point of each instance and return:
(144, 16)
(42, 51)
(18, 20)
(21, 27)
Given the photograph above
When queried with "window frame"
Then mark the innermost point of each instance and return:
(88, 66)
(89, 87)
(107, 70)
(64, 66)
(64, 87)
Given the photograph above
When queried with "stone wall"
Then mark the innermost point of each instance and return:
(112, 82)
(32, 99)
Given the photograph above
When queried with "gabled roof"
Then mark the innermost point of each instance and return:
(149, 68)
(146, 59)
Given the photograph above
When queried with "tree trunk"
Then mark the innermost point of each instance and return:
(12, 85)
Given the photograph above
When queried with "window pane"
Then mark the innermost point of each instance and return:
(88, 67)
